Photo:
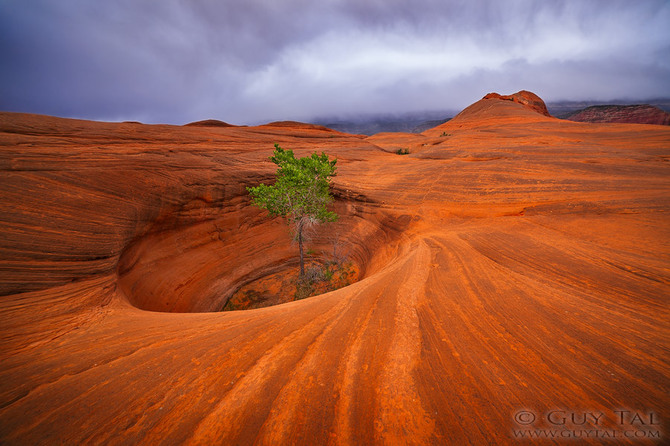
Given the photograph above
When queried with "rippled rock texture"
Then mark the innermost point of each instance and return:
(511, 261)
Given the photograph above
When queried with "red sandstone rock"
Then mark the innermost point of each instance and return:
(523, 97)
(635, 114)
(511, 261)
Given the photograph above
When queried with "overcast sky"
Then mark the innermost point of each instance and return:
(252, 61)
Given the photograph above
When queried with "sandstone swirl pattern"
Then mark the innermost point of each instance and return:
(511, 261)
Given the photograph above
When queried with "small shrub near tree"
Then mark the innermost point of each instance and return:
(322, 278)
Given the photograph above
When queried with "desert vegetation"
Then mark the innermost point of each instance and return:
(300, 194)
(321, 276)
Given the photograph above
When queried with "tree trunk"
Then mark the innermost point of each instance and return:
(302, 256)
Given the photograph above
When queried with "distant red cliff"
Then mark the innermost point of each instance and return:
(633, 114)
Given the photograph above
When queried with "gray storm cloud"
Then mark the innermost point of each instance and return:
(251, 61)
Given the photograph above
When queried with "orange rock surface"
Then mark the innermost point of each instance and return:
(510, 262)
(523, 97)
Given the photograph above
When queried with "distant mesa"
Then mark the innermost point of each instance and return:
(523, 97)
(634, 114)
(209, 123)
(297, 125)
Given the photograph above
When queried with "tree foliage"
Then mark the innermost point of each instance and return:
(301, 193)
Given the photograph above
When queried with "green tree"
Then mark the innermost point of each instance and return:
(301, 193)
